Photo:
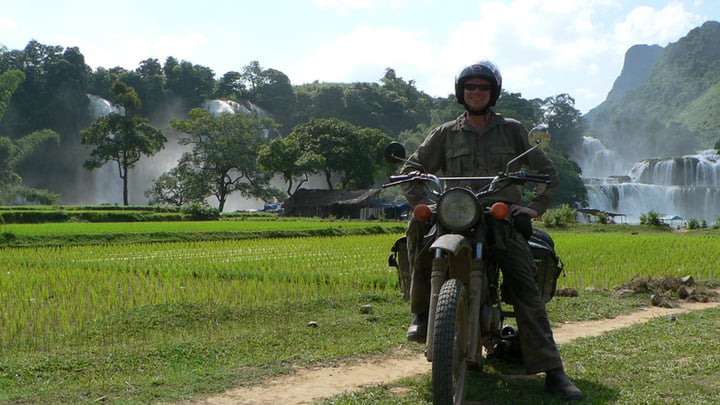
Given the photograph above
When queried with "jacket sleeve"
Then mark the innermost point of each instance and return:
(430, 156)
(538, 162)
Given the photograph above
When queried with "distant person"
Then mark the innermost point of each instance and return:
(481, 142)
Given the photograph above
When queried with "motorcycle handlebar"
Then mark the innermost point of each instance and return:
(524, 176)
(519, 177)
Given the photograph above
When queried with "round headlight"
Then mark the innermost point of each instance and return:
(458, 209)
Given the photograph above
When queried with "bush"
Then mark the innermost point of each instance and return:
(650, 218)
(559, 217)
(200, 211)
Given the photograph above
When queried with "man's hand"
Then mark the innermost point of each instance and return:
(519, 209)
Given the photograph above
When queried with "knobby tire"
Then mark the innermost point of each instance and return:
(449, 367)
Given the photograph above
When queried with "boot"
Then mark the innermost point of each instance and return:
(417, 331)
(557, 383)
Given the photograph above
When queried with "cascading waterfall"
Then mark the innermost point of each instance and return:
(686, 186)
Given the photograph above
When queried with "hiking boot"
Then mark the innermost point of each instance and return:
(417, 331)
(557, 383)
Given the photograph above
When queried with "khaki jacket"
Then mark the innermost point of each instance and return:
(455, 148)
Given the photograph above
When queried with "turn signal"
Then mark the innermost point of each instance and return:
(499, 210)
(421, 212)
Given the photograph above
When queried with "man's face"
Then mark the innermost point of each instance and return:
(477, 93)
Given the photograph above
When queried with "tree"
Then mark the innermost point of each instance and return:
(566, 123)
(353, 153)
(183, 184)
(123, 139)
(286, 156)
(269, 88)
(193, 84)
(224, 153)
(230, 86)
(571, 190)
(14, 152)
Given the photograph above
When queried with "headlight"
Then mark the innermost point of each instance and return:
(458, 209)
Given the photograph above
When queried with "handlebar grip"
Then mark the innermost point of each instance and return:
(540, 178)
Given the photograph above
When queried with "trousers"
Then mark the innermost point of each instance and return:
(539, 350)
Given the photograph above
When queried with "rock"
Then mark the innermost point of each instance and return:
(684, 291)
(567, 292)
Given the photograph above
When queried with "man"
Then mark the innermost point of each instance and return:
(481, 142)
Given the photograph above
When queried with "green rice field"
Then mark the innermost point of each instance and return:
(49, 290)
(155, 322)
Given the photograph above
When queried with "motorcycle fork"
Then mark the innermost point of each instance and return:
(474, 287)
(437, 279)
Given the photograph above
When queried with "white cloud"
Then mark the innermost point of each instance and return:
(343, 7)
(646, 25)
(129, 52)
(7, 23)
(362, 55)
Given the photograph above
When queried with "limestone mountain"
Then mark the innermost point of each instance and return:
(666, 101)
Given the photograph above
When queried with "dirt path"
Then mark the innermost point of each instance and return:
(309, 386)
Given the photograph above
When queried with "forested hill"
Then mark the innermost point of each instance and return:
(667, 100)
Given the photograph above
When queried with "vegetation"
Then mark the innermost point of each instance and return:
(13, 152)
(223, 158)
(168, 321)
(122, 137)
(629, 365)
(342, 125)
(673, 108)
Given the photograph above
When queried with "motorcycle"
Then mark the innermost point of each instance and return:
(466, 314)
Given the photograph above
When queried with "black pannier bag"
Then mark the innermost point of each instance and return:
(548, 264)
(399, 258)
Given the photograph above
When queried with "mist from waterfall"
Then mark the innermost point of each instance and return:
(105, 186)
(686, 186)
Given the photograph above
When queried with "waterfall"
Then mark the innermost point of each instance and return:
(686, 186)
(599, 161)
(99, 107)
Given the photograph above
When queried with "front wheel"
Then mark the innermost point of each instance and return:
(449, 367)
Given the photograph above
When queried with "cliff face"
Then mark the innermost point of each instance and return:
(639, 59)
(666, 102)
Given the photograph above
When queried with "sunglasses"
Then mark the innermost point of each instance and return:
(473, 86)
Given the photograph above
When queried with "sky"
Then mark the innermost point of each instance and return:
(542, 47)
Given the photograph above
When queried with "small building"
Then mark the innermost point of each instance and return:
(362, 204)
(674, 221)
(593, 215)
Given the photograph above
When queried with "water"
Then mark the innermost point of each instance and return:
(686, 186)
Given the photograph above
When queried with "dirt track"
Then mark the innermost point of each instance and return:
(309, 386)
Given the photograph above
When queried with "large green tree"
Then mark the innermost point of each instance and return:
(13, 152)
(224, 153)
(351, 153)
(122, 138)
(285, 155)
(189, 84)
(183, 184)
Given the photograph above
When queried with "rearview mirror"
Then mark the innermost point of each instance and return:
(395, 152)
(539, 137)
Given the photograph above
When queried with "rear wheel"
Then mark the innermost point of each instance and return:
(449, 367)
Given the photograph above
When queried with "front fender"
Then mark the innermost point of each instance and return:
(452, 243)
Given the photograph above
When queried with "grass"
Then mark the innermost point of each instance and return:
(663, 361)
(169, 321)
(84, 233)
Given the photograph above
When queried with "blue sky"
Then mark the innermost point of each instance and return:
(543, 47)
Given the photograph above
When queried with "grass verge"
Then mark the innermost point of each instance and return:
(173, 352)
(668, 360)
